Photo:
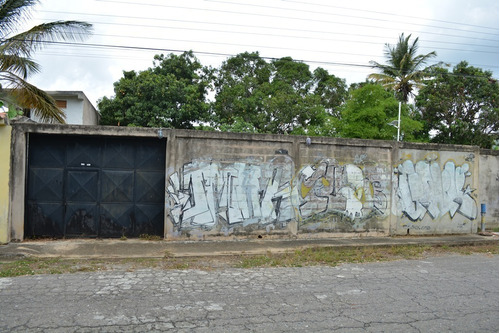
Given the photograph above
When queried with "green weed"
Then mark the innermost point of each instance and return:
(327, 256)
(149, 237)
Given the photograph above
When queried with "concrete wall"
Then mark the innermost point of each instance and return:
(5, 155)
(231, 184)
(488, 179)
(227, 185)
(436, 189)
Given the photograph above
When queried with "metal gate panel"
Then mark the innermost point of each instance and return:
(117, 220)
(45, 219)
(150, 187)
(149, 219)
(47, 152)
(150, 157)
(119, 154)
(88, 186)
(81, 185)
(84, 152)
(81, 204)
(45, 194)
(46, 185)
(81, 219)
(117, 186)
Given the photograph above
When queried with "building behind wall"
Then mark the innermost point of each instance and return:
(75, 104)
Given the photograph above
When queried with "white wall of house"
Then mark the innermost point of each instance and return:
(79, 110)
(74, 111)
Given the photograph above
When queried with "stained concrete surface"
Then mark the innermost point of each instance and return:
(137, 248)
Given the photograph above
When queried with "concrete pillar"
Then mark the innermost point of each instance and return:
(5, 156)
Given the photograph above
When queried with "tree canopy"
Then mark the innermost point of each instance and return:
(461, 107)
(16, 50)
(282, 96)
(172, 94)
(368, 112)
(241, 88)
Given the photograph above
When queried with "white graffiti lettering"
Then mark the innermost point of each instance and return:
(423, 188)
(204, 194)
(329, 187)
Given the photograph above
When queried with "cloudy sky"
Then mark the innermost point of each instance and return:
(339, 36)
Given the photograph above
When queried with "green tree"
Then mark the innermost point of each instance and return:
(241, 88)
(404, 69)
(368, 113)
(292, 104)
(281, 97)
(16, 50)
(171, 94)
(461, 107)
(238, 126)
(331, 89)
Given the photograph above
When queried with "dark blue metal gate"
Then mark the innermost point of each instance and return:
(85, 186)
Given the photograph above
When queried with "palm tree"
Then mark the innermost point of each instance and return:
(16, 49)
(404, 69)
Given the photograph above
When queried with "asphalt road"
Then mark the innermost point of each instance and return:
(438, 294)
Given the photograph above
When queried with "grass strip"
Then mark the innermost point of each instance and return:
(328, 256)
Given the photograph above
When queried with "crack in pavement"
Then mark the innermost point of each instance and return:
(412, 296)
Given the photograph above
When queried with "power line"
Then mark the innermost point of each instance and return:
(247, 45)
(126, 47)
(274, 35)
(255, 26)
(392, 14)
(266, 15)
(100, 46)
(232, 44)
(245, 26)
(341, 15)
(121, 56)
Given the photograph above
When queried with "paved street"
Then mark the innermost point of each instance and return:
(438, 294)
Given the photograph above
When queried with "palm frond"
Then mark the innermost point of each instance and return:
(20, 66)
(16, 48)
(12, 13)
(27, 95)
(422, 59)
(24, 43)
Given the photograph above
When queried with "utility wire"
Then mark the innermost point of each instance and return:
(331, 6)
(275, 35)
(265, 15)
(247, 26)
(100, 46)
(126, 47)
(224, 54)
(392, 14)
(232, 44)
(341, 15)
(121, 56)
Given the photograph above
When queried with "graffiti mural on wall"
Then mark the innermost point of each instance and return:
(207, 194)
(348, 189)
(423, 188)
